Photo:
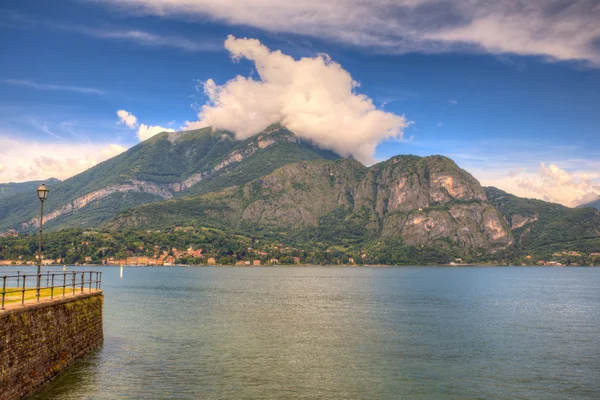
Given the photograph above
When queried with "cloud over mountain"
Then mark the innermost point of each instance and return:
(555, 184)
(144, 131)
(127, 118)
(314, 97)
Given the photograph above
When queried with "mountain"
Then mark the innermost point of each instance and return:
(536, 223)
(280, 189)
(594, 204)
(167, 165)
(12, 188)
(411, 200)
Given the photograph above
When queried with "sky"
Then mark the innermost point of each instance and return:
(510, 90)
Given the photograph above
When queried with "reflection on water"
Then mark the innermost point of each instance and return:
(344, 333)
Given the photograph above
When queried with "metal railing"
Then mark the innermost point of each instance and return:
(68, 282)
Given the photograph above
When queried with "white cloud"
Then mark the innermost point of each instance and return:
(51, 87)
(314, 97)
(50, 160)
(453, 102)
(144, 131)
(528, 31)
(190, 125)
(147, 38)
(137, 36)
(1, 168)
(127, 118)
(558, 29)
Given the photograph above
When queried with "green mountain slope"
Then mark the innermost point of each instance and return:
(166, 166)
(411, 200)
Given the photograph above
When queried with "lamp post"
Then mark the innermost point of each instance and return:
(42, 192)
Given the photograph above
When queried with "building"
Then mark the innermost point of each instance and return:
(169, 260)
(194, 253)
(142, 261)
(198, 254)
(211, 261)
(256, 263)
(553, 264)
(296, 260)
(131, 261)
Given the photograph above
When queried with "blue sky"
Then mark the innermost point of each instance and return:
(517, 106)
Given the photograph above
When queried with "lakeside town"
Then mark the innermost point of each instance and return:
(210, 247)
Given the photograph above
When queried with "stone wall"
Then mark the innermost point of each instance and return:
(39, 340)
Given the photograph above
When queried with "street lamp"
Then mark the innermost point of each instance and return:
(42, 192)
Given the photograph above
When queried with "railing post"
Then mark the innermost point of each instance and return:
(23, 292)
(64, 283)
(18, 276)
(100, 283)
(90, 281)
(52, 288)
(37, 288)
(3, 290)
(73, 282)
(82, 281)
(47, 277)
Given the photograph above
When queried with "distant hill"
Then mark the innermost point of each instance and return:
(536, 223)
(594, 204)
(166, 166)
(12, 188)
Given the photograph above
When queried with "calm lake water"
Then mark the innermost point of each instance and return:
(344, 333)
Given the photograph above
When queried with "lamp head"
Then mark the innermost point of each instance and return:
(42, 192)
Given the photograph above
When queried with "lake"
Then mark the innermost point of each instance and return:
(343, 333)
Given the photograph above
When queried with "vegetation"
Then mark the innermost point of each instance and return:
(325, 244)
(73, 246)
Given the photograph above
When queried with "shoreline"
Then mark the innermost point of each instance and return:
(311, 265)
